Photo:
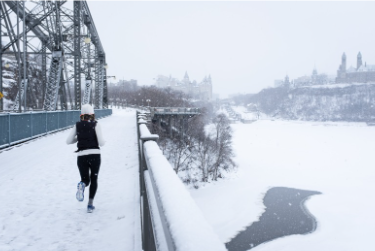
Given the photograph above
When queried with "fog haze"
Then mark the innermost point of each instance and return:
(245, 46)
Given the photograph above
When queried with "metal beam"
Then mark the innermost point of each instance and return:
(92, 29)
(105, 91)
(77, 53)
(31, 22)
(53, 84)
(1, 60)
(61, 31)
(98, 77)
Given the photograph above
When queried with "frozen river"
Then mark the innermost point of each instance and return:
(336, 159)
(285, 215)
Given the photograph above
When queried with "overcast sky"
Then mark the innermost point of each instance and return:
(245, 46)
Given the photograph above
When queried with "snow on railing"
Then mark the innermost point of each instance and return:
(177, 223)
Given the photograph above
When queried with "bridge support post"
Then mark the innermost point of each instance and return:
(182, 126)
(170, 126)
(186, 124)
(159, 123)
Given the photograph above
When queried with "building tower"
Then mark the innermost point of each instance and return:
(343, 62)
(286, 81)
(314, 76)
(186, 79)
(359, 60)
(341, 72)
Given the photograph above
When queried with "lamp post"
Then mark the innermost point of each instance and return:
(148, 102)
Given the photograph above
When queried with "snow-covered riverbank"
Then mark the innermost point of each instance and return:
(336, 159)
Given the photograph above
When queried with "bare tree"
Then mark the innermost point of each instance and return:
(222, 145)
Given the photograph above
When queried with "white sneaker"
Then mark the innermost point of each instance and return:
(80, 191)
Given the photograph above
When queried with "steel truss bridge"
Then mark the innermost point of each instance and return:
(64, 36)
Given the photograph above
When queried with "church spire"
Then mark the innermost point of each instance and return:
(343, 62)
(359, 60)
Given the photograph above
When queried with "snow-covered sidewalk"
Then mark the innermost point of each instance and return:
(38, 182)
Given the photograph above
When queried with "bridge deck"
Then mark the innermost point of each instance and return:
(174, 111)
(38, 184)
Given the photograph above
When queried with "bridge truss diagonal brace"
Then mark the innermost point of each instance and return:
(21, 92)
(99, 71)
(53, 83)
(87, 93)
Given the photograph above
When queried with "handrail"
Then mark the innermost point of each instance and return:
(170, 218)
(19, 127)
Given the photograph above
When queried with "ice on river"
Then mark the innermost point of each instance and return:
(336, 159)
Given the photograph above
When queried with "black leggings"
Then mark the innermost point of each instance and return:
(87, 163)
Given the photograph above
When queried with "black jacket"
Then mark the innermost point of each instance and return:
(86, 136)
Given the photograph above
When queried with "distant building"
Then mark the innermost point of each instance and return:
(362, 73)
(201, 91)
(313, 79)
(278, 82)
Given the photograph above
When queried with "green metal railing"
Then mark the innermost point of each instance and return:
(19, 127)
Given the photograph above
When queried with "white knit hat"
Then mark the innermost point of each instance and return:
(87, 109)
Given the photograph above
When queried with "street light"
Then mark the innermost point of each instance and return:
(148, 101)
(87, 40)
(7, 65)
(106, 66)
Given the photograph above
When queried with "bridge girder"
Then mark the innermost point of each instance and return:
(55, 31)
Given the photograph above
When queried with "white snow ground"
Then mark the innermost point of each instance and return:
(38, 182)
(38, 209)
(336, 159)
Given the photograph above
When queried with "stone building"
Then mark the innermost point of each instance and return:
(201, 91)
(363, 73)
(313, 79)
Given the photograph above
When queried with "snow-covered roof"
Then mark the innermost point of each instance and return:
(338, 85)
(364, 68)
(351, 69)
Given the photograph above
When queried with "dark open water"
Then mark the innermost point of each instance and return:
(285, 215)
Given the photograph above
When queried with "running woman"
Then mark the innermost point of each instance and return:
(88, 135)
